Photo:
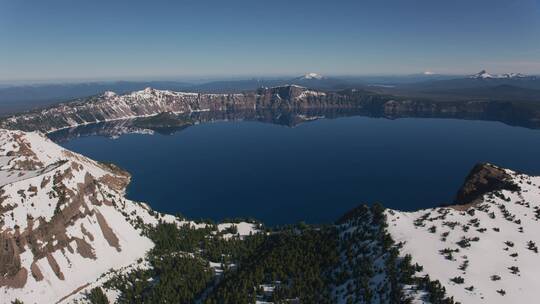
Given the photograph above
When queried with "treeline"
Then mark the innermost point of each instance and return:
(294, 262)
(371, 269)
(354, 261)
(180, 271)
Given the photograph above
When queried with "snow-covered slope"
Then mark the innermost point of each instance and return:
(368, 269)
(63, 220)
(65, 224)
(485, 250)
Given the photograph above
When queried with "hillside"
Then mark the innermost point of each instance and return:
(64, 220)
(483, 250)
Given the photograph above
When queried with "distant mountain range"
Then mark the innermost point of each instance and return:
(482, 85)
(509, 87)
(485, 75)
(482, 79)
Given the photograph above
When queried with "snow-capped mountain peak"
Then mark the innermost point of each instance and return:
(482, 75)
(311, 76)
(485, 75)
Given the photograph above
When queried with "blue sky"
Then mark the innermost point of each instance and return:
(57, 39)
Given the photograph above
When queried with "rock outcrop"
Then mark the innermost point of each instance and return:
(482, 179)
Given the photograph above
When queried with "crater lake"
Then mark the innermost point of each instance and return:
(313, 170)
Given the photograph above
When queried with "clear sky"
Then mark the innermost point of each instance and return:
(96, 39)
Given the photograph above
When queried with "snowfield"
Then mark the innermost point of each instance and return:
(243, 229)
(491, 245)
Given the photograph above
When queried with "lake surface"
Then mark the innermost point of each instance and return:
(313, 172)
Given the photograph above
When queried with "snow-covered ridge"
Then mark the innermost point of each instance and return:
(483, 249)
(63, 218)
(110, 106)
(482, 252)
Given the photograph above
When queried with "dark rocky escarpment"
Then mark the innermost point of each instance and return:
(482, 179)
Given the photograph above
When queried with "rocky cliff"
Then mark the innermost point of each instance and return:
(291, 98)
(110, 106)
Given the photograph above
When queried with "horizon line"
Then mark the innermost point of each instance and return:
(218, 77)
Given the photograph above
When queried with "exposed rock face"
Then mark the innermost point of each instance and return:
(291, 98)
(482, 179)
(151, 102)
(64, 220)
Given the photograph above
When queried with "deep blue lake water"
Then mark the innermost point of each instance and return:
(313, 172)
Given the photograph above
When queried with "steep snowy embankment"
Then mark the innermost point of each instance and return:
(63, 220)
